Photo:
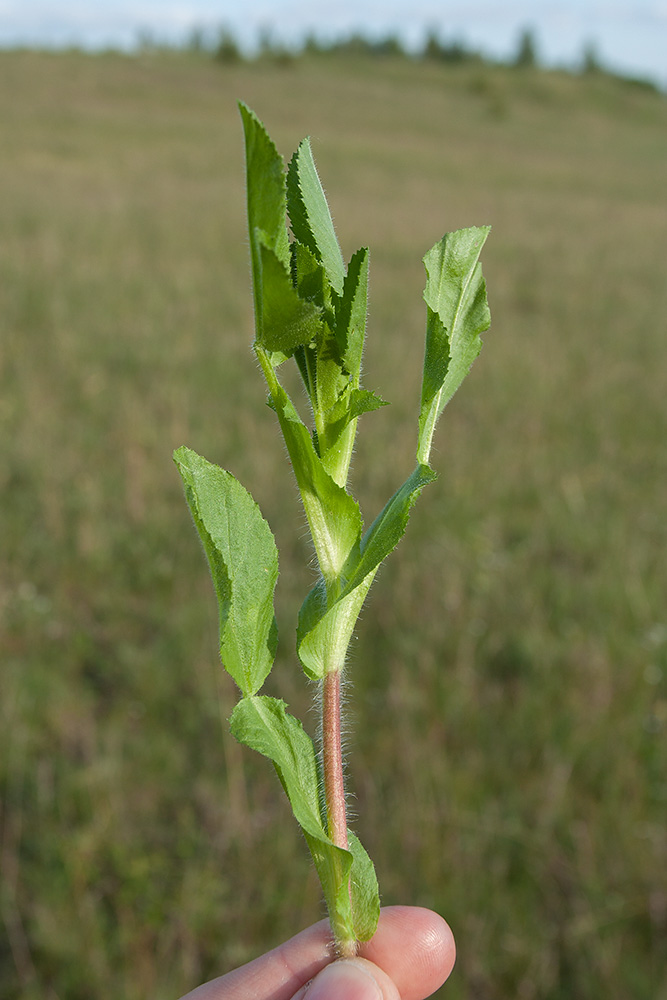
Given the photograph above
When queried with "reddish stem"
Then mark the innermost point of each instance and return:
(332, 758)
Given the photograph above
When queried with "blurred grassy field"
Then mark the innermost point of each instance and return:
(508, 700)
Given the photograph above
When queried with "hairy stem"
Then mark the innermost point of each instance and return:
(334, 787)
(332, 759)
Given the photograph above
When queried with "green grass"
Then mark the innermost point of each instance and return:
(519, 787)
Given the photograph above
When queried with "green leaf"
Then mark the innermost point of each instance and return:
(364, 891)
(351, 312)
(388, 527)
(263, 724)
(333, 866)
(286, 320)
(339, 399)
(266, 187)
(337, 426)
(352, 403)
(325, 629)
(309, 214)
(266, 190)
(324, 633)
(457, 314)
(308, 276)
(243, 559)
(337, 437)
(347, 877)
(333, 515)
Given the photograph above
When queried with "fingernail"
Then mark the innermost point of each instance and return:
(345, 979)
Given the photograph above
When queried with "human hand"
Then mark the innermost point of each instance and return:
(410, 956)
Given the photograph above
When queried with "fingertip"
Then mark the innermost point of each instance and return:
(353, 979)
(437, 940)
(415, 947)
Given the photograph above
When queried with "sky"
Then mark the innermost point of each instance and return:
(629, 37)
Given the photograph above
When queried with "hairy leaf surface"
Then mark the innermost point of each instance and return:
(287, 320)
(364, 891)
(389, 526)
(243, 559)
(352, 403)
(351, 311)
(309, 276)
(324, 632)
(309, 214)
(266, 186)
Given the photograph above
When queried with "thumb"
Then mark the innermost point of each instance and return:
(350, 979)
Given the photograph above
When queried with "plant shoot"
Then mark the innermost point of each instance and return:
(310, 310)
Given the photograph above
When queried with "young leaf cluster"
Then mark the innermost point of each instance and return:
(311, 308)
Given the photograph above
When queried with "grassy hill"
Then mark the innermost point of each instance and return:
(508, 698)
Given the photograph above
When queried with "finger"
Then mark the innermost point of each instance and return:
(279, 974)
(412, 946)
(353, 979)
(416, 949)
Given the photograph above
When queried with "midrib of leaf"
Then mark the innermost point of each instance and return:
(455, 322)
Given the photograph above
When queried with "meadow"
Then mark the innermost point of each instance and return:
(508, 684)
